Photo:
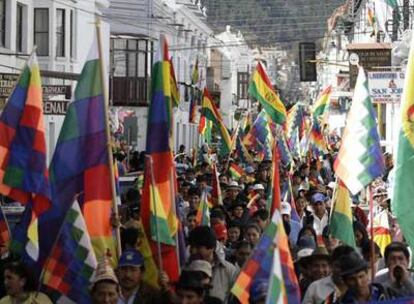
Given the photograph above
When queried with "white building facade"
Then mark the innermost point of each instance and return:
(62, 31)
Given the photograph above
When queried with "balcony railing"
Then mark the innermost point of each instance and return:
(132, 92)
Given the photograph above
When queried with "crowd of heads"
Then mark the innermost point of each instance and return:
(326, 268)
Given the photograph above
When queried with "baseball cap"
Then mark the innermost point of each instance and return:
(318, 197)
(200, 265)
(249, 170)
(131, 257)
(258, 187)
(233, 184)
(285, 208)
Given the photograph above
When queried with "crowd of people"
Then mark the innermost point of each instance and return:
(327, 270)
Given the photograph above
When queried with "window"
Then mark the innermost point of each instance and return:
(242, 85)
(2, 22)
(19, 27)
(72, 36)
(130, 60)
(60, 32)
(41, 31)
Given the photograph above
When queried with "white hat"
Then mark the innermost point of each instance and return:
(285, 208)
(233, 184)
(200, 265)
(304, 253)
(331, 185)
(303, 187)
(258, 187)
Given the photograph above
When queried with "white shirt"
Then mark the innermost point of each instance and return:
(320, 224)
(319, 290)
(131, 299)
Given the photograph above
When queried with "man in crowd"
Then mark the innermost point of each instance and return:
(202, 241)
(133, 290)
(355, 274)
(397, 280)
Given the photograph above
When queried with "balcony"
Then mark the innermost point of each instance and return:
(131, 92)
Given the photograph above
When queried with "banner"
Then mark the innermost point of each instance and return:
(386, 87)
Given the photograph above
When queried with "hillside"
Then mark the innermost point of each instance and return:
(267, 22)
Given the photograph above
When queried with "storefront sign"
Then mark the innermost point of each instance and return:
(55, 107)
(386, 87)
(371, 56)
(51, 107)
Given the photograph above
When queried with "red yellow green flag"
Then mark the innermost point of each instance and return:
(261, 88)
(402, 201)
(211, 113)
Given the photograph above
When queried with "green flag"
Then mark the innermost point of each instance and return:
(403, 194)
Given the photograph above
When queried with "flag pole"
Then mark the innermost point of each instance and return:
(233, 141)
(371, 230)
(108, 137)
(151, 165)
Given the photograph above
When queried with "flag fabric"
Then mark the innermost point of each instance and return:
(203, 211)
(175, 92)
(194, 93)
(260, 266)
(259, 133)
(283, 285)
(210, 111)
(236, 171)
(193, 110)
(81, 164)
(371, 18)
(284, 151)
(321, 105)
(247, 123)
(360, 159)
(294, 144)
(275, 198)
(294, 120)
(216, 195)
(195, 75)
(403, 189)
(23, 169)
(117, 183)
(150, 275)
(317, 139)
(384, 11)
(205, 127)
(261, 89)
(158, 204)
(382, 232)
(241, 151)
(69, 270)
(5, 235)
(341, 222)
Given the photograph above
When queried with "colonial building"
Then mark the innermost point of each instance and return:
(62, 32)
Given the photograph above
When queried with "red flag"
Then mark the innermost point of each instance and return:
(275, 202)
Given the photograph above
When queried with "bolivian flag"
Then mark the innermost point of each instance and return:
(321, 104)
(402, 201)
(261, 88)
(211, 113)
(340, 224)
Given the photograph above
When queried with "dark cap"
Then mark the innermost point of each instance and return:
(131, 257)
(202, 236)
(190, 280)
(351, 264)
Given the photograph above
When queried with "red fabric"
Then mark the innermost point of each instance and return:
(276, 181)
